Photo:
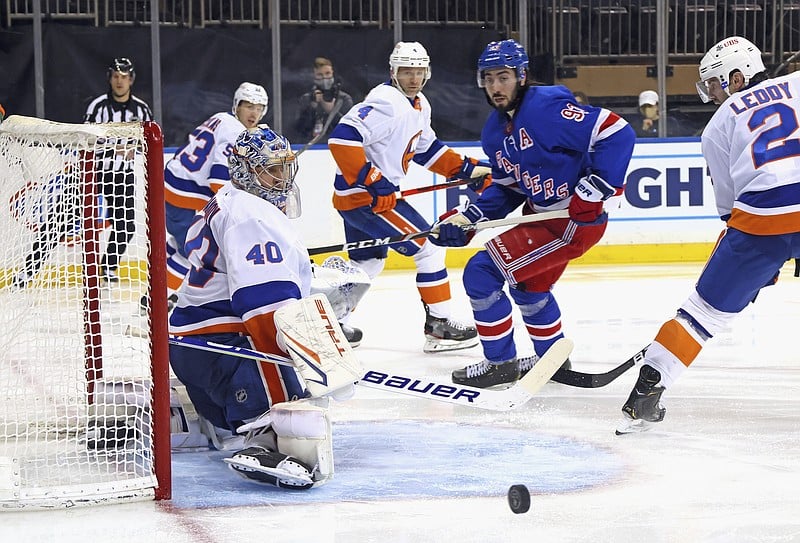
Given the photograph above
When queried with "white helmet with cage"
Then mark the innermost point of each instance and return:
(729, 55)
(250, 92)
(262, 163)
(409, 54)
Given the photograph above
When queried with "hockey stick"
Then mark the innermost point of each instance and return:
(596, 380)
(337, 106)
(544, 216)
(430, 188)
(493, 400)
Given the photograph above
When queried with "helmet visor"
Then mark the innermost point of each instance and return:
(711, 90)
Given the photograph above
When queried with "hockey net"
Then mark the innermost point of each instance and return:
(84, 393)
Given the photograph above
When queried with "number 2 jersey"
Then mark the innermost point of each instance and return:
(247, 261)
(752, 148)
(199, 168)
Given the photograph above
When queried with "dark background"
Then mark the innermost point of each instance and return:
(202, 67)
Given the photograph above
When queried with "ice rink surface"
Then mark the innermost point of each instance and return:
(723, 467)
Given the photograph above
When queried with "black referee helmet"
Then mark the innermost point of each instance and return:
(122, 65)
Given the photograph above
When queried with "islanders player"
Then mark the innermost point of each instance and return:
(199, 168)
(247, 264)
(751, 148)
(373, 145)
(547, 152)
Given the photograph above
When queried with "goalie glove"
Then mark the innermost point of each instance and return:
(479, 170)
(586, 205)
(383, 191)
(449, 230)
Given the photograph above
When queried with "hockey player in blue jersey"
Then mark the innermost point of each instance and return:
(548, 153)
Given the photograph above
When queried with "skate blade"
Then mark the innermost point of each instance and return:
(245, 464)
(633, 426)
(442, 345)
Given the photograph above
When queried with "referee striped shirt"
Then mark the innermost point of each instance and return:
(104, 109)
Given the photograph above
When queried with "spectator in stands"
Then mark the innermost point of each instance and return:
(118, 105)
(646, 123)
(323, 106)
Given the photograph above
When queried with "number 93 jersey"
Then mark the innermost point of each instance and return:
(752, 148)
(199, 168)
(247, 261)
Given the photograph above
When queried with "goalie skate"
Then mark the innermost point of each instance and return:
(265, 466)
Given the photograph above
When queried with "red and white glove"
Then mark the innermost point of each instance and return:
(586, 204)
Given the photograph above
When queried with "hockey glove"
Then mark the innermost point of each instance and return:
(586, 204)
(383, 191)
(479, 170)
(449, 231)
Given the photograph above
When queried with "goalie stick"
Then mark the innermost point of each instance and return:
(400, 238)
(493, 400)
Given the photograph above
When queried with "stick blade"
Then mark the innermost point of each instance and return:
(546, 366)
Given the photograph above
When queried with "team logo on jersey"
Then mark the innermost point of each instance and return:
(411, 150)
(573, 112)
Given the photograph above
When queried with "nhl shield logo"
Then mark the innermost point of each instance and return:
(241, 395)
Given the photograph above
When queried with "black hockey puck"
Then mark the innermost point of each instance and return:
(519, 499)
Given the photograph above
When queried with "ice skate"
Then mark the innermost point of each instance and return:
(485, 374)
(643, 408)
(352, 334)
(270, 467)
(443, 334)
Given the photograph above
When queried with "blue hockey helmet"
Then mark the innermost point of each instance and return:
(262, 163)
(503, 54)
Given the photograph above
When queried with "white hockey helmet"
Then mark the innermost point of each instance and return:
(729, 55)
(262, 163)
(250, 92)
(409, 54)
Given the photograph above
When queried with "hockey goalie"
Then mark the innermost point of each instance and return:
(251, 286)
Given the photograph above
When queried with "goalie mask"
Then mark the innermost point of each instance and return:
(726, 57)
(409, 55)
(262, 163)
(250, 92)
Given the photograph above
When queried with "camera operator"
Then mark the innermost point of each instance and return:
(322, 107)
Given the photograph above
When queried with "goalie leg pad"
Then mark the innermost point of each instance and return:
(271, 467)
(304, 432)
(185, 426)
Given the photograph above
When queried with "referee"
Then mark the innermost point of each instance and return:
(115, 106)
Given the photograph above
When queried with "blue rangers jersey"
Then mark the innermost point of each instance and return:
(551, 142)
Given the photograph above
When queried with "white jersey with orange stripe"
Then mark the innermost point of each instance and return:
(752, 149)
(199, 168)
(247, 261)
(388, 130)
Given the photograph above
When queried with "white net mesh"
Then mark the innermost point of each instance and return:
(75, 383)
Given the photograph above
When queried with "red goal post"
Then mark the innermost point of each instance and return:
(84, 371)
